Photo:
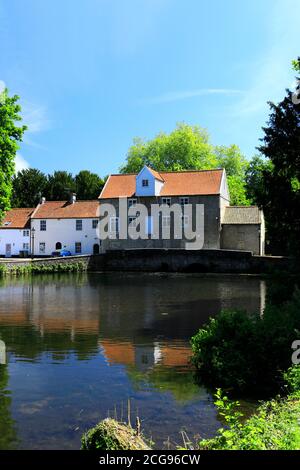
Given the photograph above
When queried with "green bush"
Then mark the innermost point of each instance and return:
(40, 268)
(275, 426)
(248, 353)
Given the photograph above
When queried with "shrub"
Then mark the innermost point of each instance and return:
(248, 353)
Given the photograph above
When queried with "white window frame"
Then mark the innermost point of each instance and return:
(114, 225)
(166, 221)
(42, 248)
(132, 202)
(43, 225)
(145, 183)
(185, 221)
(26, 232)
(78, 251)
(184, 200)
(78, 224)
(26, 246)
(166, 201)
(95, 223)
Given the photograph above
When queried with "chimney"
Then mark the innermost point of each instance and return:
(43, 200)
(72, 198)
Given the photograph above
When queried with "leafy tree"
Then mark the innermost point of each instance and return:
(28, 186)
(296, 64)
(235, 164)
(187, 147)
(10, 136)
(88, 185)
(258, 169)
(59, 186)
(281, 195)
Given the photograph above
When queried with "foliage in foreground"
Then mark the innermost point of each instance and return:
(40, 268)
(109, 434)
(275, 425)
(248, 353)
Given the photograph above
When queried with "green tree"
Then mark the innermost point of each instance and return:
(281, 195)
(28, 186)
(88, 185)
(10, 136)
(296, 64)
(235, 164)
(187, 147)
(258, 169)
(60, 185)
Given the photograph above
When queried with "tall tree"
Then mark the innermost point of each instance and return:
(235, 164)
(281, 197)
(88, 185)
(60, 185)
(10, 136)
(187, 147)
(28, 186)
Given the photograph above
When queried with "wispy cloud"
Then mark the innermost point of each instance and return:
(185, 94)
(21, 163)
(35, 117)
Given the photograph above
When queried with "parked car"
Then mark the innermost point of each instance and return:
(65, 253)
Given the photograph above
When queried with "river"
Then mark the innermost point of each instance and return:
(78, 347)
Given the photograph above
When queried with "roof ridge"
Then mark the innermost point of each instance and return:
(164, 172)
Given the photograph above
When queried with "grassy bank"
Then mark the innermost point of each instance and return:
(40, 268)
(275, 425)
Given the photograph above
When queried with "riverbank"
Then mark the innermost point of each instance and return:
(157, 260)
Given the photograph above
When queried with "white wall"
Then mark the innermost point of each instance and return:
(15, 238)
(64, 231)
(154, 187)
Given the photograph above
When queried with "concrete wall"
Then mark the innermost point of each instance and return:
(202, 261)
(15, 238)
(242, 237)
(64, 231)
(212, 225)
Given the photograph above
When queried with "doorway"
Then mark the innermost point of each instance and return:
(96, 249)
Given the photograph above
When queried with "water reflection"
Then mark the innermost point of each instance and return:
(80, 344)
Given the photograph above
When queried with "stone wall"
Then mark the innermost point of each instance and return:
(242, 237)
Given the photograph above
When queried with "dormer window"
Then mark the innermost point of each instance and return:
(145, 183)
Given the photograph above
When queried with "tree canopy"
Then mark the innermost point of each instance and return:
(28, 187)
(10, 136)
(189, 148)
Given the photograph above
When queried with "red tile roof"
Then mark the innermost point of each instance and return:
(179, 183)
(17, 218)
(66, 210)
(156, 174)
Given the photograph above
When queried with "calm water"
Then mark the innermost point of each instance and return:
(79, 346)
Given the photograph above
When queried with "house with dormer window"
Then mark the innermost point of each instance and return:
(205, 188)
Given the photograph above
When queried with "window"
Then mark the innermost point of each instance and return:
(42, 248)
(26, 246)
(185, 221)
(77, 248)
(78, 225)
(145, 183)
(166, 201)
(25, 233)
(95, 223)
(132, 202)
(166, 221)
(184, 201)
(114, 224)
(132, 221)
(58, 246)
(43, 225)
(149, 225)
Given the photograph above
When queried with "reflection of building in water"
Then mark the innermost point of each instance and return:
(2, 352)
(146, 356)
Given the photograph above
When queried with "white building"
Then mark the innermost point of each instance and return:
(69, 225)
(15, 232)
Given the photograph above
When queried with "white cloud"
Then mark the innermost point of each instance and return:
(185, 94)
(34, 117)
(21, 163)
(2, 86)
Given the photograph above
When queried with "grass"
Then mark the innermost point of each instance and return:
(40, 268)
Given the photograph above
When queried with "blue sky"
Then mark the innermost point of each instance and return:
(93, 74)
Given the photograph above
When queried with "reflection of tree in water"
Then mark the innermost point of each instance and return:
(8, 434)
